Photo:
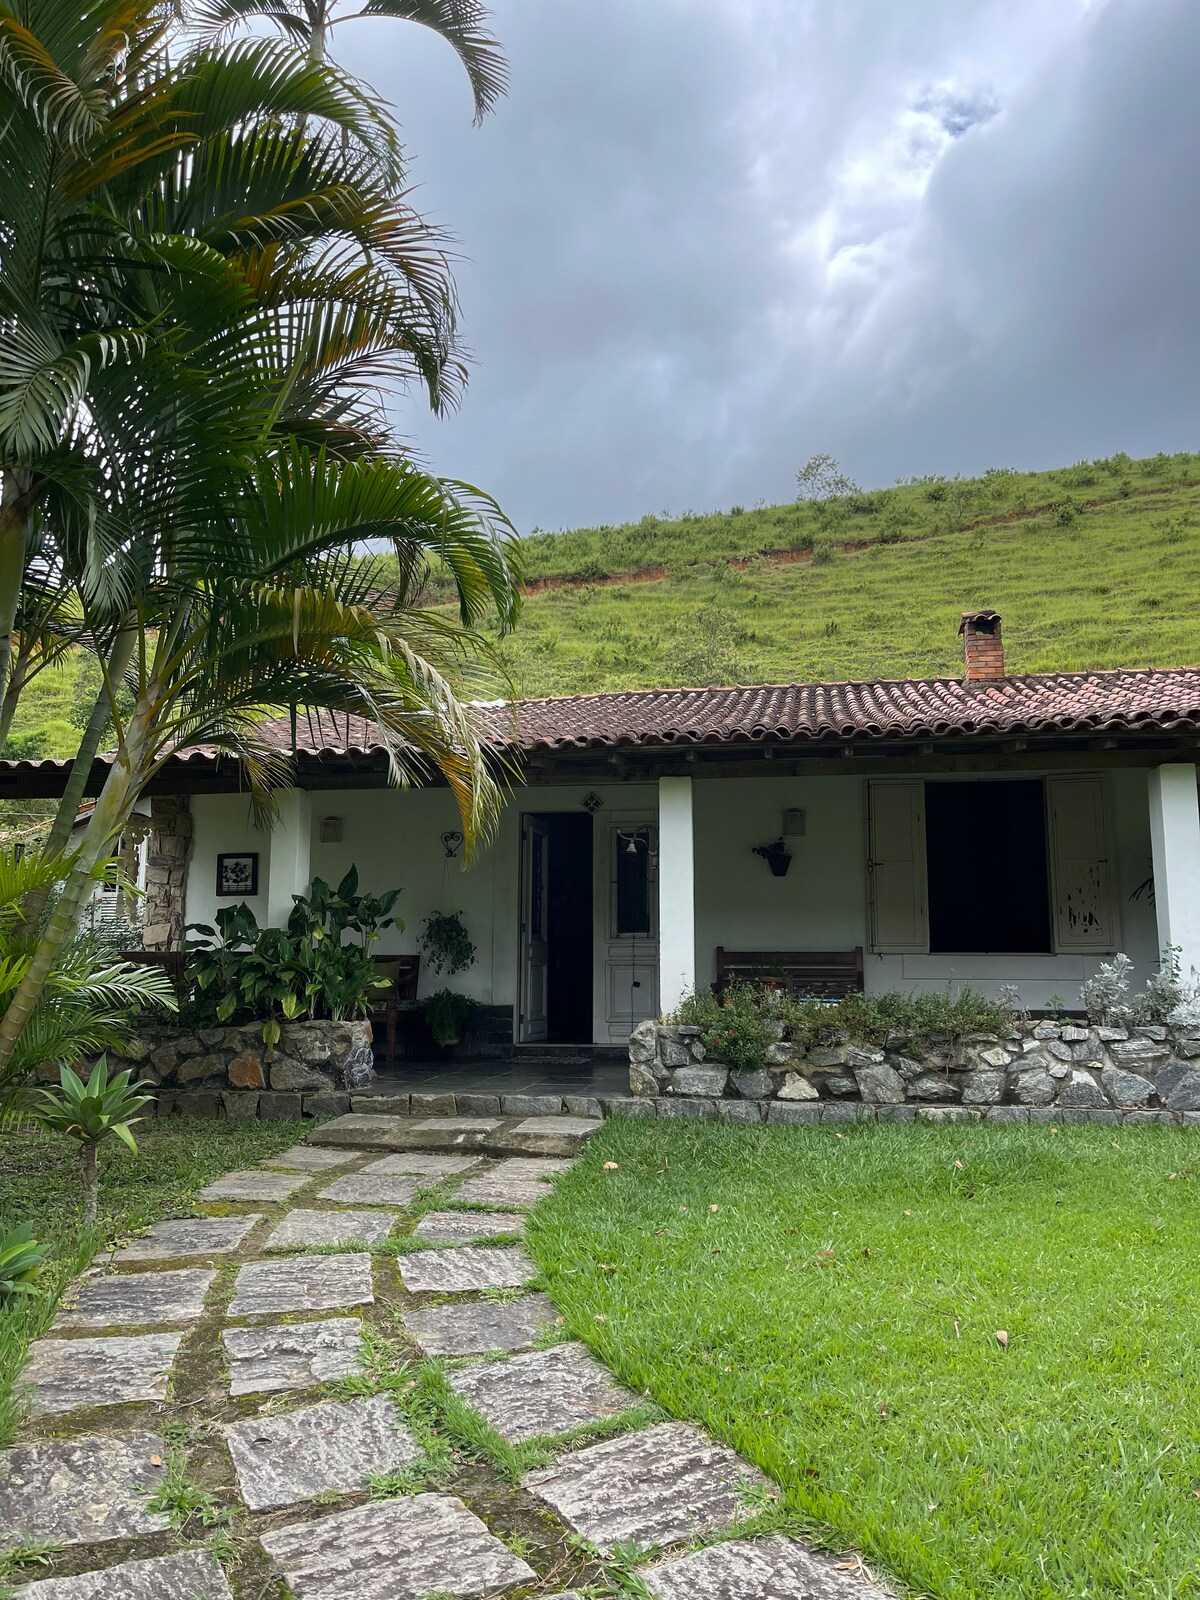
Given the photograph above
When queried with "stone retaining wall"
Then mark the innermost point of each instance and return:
(215, 1072)
(1040, 1071)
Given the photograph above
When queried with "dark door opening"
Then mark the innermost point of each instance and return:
(567, 886)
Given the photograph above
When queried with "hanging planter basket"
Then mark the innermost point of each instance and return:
(777, 856)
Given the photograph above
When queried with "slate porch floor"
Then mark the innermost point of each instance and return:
(293, 1427)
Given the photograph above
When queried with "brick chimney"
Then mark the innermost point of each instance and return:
(983, 647)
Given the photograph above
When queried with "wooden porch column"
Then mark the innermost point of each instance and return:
(1175, 847)
(290, 871)
(676, 893)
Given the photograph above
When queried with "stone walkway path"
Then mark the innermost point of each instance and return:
(269, 1400)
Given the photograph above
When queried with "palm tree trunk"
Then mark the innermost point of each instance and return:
(16, 524)
(91, 1181)
(59, 836)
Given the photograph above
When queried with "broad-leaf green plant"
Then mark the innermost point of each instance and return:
(21, 1261)
(92, 1112)
(320, 965)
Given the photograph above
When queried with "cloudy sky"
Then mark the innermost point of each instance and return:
(704, 239)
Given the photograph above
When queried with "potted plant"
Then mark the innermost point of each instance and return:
(446, 943)
(448, 1014)
(777, 856)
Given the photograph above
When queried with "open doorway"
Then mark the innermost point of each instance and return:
(556, 928)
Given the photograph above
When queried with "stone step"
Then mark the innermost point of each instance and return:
(501, 1136)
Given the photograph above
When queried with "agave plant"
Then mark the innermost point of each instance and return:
(90, 1112)
(21, 1261)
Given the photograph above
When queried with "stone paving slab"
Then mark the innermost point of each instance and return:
(405, 1549)
(519, 1181)
(136, 1299)
(661, 1486)
(69, 1374)
(467, 1267)
(546, 1392)
(194, 1576)
(307, 1158)
(330, 1227)
(457, 1124)
(188, 1236)
(364, 1189)
(464, 1227)
(265, 1360)
(332, 1446)
(362, 1130)
(422, 1164)
(756, 1569)
(256, 1186)
(550, 1135)
(302, 1283)
(478, 1327)
(80, 1491)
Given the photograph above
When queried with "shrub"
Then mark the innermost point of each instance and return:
(737, 1027)
(89, 1112)
(239, 972)
(1109, 999)
(21, 1261)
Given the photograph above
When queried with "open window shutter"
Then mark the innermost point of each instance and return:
(1084, 914)
(899, 918)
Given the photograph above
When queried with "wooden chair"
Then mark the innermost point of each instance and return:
(808, 974)
(403, 973)
(172, 963)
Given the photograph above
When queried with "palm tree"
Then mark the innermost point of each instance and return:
(203, 494)
(85, 1005)
(462, 23)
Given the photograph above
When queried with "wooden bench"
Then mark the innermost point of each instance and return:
(811, 974)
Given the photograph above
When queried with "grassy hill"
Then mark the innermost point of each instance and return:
(1095, 565)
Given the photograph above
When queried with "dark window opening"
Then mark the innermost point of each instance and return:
(569, 928)
(989, 878)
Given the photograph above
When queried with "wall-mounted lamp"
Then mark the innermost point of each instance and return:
(331, 830)
(795, 823)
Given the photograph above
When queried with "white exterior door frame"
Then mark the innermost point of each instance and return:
(625, 963)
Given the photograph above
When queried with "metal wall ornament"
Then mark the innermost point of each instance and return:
(591, 802)
(452, 843)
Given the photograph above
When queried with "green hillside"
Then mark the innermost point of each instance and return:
(1095, 565)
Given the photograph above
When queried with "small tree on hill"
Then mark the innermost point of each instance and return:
(821, 478)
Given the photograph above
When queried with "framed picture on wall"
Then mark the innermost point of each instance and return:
(237, 874)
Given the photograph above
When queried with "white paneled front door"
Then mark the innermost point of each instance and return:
(626, 925)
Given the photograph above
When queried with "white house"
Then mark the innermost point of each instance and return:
(982, 829)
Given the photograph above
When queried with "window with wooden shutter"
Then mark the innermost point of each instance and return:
(1084, 911)
(899, 916)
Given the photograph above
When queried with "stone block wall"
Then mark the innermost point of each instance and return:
(230, 1072)
(1034, 1070)
(167, 856)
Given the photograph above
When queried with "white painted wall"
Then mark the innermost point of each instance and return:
(393, 838)
(1175, 845)
(676, 892)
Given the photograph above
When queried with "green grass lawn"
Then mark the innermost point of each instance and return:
(829, 1305)
(39, 1181)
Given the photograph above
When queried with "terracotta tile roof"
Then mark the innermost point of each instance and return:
(921, 708)
(902, 708)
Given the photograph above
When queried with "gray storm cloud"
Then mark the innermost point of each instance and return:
(704, 239)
